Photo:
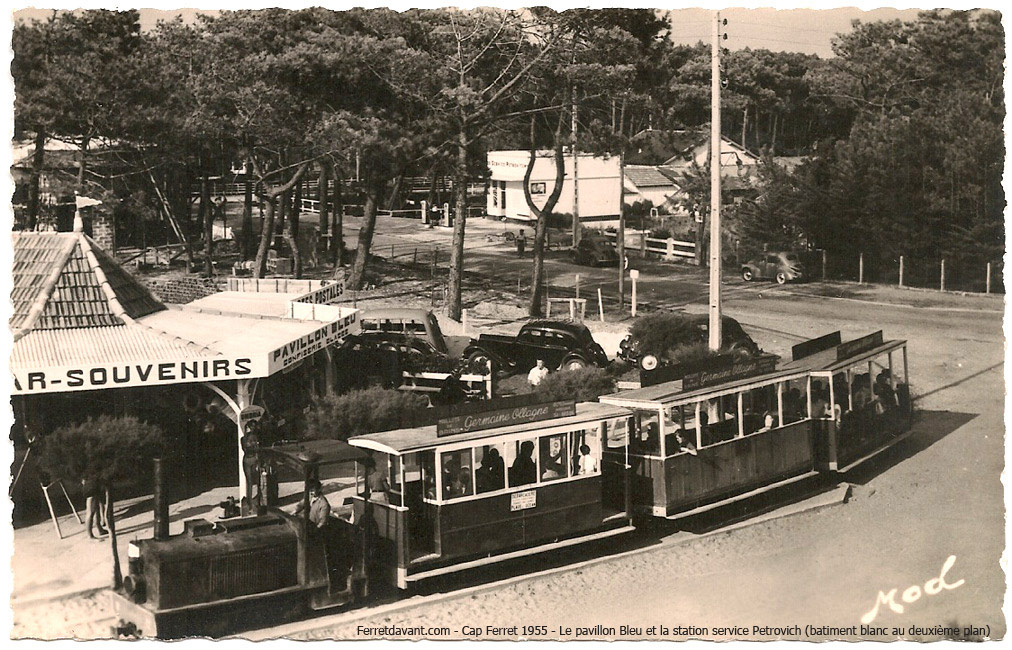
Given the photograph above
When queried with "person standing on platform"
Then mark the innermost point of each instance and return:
(537, 373)
(521, 243)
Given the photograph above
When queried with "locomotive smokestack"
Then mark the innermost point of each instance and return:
(161, 499)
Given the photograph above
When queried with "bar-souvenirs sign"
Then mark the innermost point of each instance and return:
(504, 417)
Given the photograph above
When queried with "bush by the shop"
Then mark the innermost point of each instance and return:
(97, 454)
(359, 412)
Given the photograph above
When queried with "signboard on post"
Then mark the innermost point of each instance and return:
(857, 346)
(812, 346)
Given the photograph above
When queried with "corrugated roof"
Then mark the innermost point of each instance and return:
(95, 345)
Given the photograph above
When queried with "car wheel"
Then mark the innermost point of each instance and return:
(576, 363)
(746, 274)
(649, 362)
(781, 278)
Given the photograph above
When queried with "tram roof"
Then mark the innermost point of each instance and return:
(671, 391)
(401, 441)
(826, 361)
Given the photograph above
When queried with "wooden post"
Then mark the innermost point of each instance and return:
(901, 270)
(600, 304)
(860, 268)
(942, 283)
(634, 275)
(414, 258)
(577, 286)
(823, 264)
(987, 288)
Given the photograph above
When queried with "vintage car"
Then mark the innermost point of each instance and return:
(560, 344)
(782, 267)
(419, 323)
(595, 250)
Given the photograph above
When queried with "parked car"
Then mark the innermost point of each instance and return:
(595, 250)
(782, 266)
(419, 323)
(375, 357)
(560, 344)
(734, 340)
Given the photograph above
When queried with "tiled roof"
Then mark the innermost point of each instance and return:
(58, 285)
(646, 176)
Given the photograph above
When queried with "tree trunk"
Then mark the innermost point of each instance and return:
(110, 519)
(541, 230)
(247, 215)
(454, 306)
(291, 230)
(337, 229)
(744, 125)
(81, 163)
(773, 142)
(207, 217)
(394, 198)
(266, 236)
(323, 197)
(38, 159)
(296, 209)
(357, 278)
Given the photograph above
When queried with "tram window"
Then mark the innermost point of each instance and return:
(490, 474)
(648, 437)
(680, 429)
(522, 462)
(795, 401)
(759, 409)
(554, 463)
(458, 480)
(586, 451)
(617, 433)
(426, 461)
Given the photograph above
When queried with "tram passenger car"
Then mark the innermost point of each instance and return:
(460, 497)
(702, 441)
(860, 393)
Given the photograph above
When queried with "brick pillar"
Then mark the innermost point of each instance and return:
(103, 231)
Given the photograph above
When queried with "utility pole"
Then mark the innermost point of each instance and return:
(576, 179)
(715, 319)
(620, 240)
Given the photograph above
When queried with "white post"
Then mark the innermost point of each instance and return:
(901, 270)
(600, 304)
(576, 179)
(780, 404)
(699, 429)
(860, 268)
(446, 214)
(425, 212)
(577, 286)
(715, 320)
(242, 400)
(634, 275)
(988, 285)
(808, 396)
(942, 284)
(741, 417)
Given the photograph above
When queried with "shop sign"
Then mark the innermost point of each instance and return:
(125, 375)
(309, 344)
(523, 500)
(324, 295)
(504, 417)
(857, 346)
(733, 372)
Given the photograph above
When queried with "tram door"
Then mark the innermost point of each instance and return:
(615, 438)
(419, 484)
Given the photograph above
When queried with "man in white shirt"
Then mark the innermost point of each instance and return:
(537, 373)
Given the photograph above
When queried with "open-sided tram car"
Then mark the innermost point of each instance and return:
(860, 393)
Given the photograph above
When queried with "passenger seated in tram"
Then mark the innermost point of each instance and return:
(820, 401)
(553, 458)
(794, 409)
(647, 439)
(491, 475)
(767, 422)
(460, 484)
(681, 443)
(586, 464)
(884, 391)
(524, 470)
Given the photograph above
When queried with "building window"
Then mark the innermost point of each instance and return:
(537, 188)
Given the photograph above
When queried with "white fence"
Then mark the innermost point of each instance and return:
(668, 249)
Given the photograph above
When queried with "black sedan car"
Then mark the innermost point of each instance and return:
(595, 250)
(734, 340)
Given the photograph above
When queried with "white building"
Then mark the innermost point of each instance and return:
(600, 188)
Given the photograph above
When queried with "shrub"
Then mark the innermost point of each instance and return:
(661, 331)
(583, 385)
(689, 352)
(359, 412)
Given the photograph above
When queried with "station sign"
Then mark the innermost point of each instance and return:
(813, 346)
(857, 346)
(736, 370)
(503, 417)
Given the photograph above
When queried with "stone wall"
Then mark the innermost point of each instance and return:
(185, 289)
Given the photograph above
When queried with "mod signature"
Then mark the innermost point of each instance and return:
(913, 593)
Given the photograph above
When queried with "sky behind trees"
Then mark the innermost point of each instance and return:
(793, 30)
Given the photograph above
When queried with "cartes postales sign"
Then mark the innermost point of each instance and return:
(324, 295)
(504, 417)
